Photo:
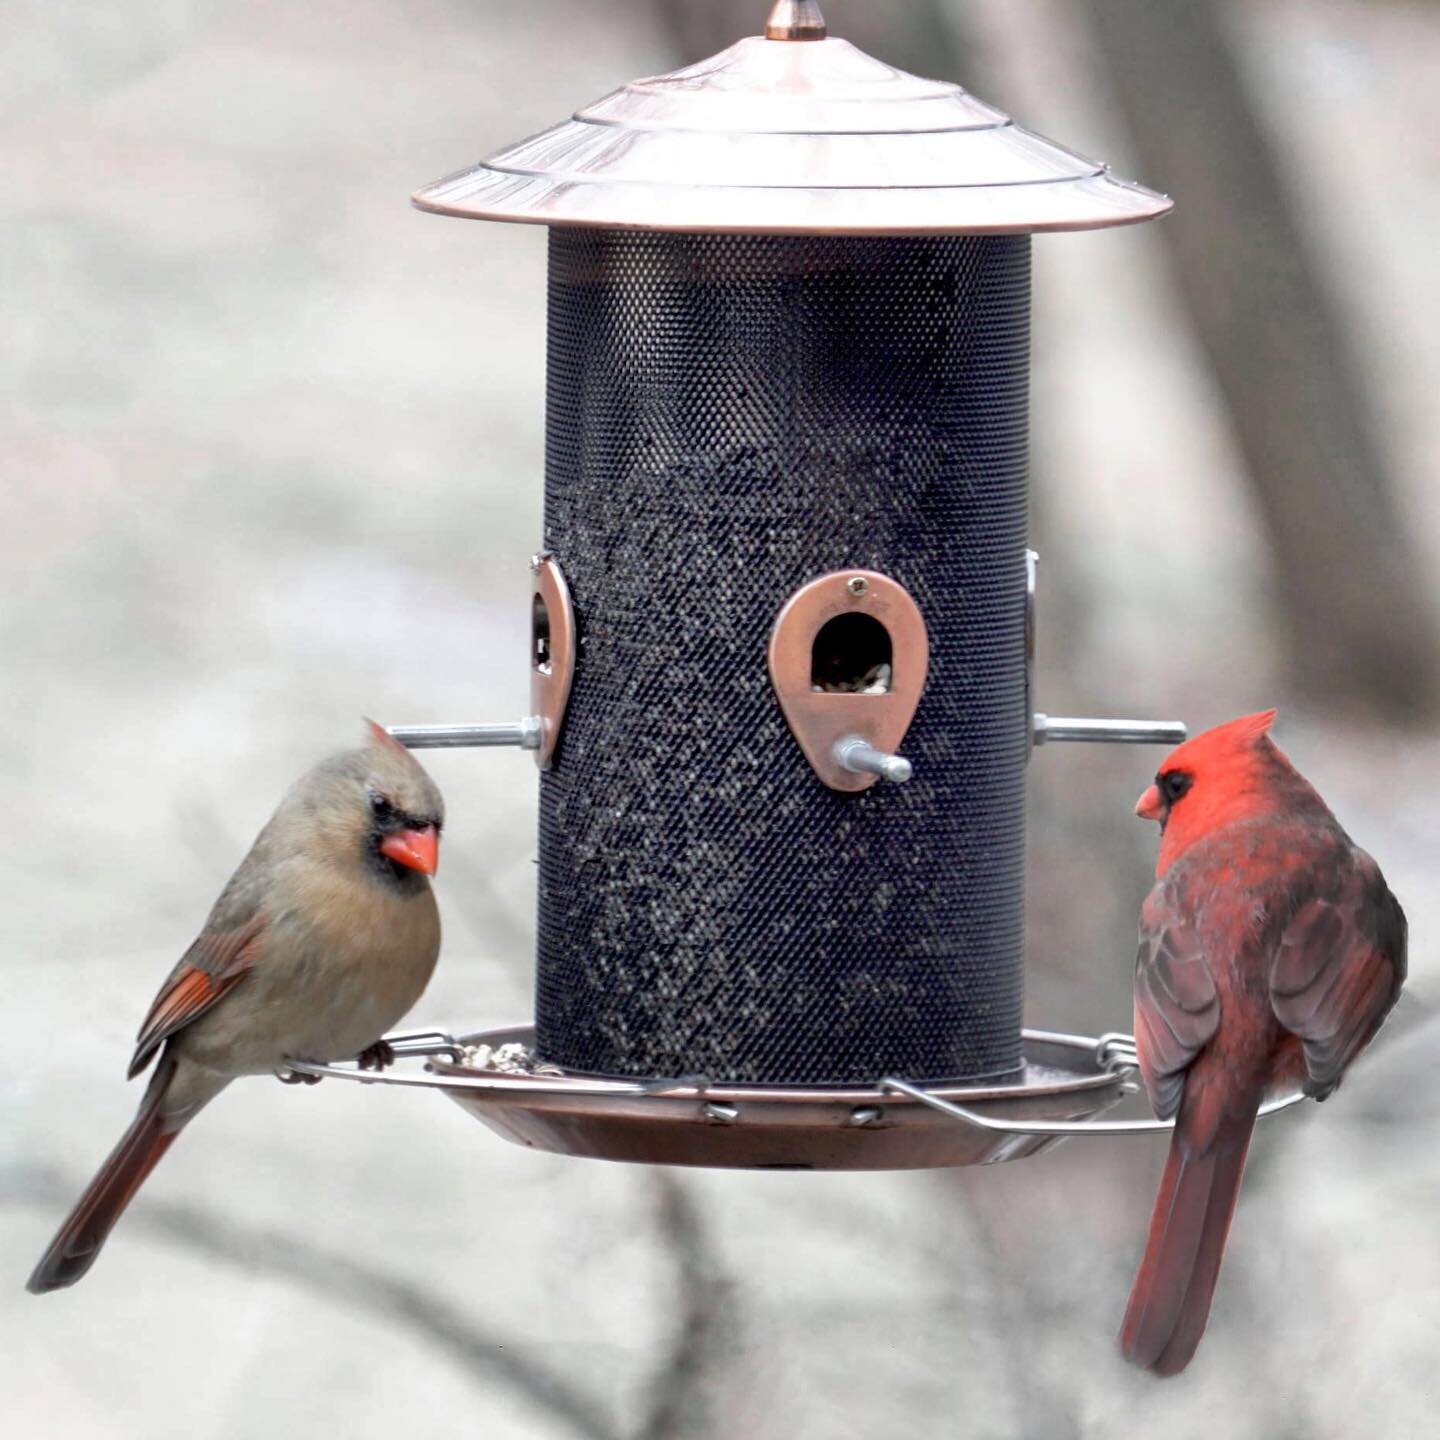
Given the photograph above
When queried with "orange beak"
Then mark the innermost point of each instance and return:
(414, 849)
(1150, 806)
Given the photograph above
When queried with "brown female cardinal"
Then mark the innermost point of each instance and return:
(1270, 952)
(324, 937)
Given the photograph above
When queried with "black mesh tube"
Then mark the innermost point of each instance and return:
(728, 418)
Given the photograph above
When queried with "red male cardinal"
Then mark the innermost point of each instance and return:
(325, 936)
(1270, 952)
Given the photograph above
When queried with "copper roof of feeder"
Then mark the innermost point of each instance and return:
(793, 132)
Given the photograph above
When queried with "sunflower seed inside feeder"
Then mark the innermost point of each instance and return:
(875, 681)
(512, 1058)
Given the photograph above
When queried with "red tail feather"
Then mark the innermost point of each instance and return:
(73, 1250)
(1170, 1301)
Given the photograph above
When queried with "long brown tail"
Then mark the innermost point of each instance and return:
(73, 1250)
(1170, 1301)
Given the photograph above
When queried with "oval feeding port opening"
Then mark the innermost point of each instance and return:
(848, 658)
(852, 655)
(540, 635)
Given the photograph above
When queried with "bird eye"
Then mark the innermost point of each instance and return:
(1173, 784)
(380, 807)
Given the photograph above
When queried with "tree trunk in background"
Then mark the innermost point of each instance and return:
(1363, 633)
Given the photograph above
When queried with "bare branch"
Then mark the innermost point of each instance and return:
(679, 1402)
(483, 1354)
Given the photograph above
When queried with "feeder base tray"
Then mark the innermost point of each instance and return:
(1066, 1079)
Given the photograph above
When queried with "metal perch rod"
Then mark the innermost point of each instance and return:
(1114, 1052)
(524, 733)
(1049, 728)
(1052, 1127)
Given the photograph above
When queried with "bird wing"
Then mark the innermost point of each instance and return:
(1338, 969)
(221, 956)
(1177, 1008)
(209, 969)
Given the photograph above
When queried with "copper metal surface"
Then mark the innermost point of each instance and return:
(552, 675)
(1067, 1080)
(795, 20)
(783, 1128)
(818, 719)
(774, 137)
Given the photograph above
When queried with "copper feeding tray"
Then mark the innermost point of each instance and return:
(1067, 1080)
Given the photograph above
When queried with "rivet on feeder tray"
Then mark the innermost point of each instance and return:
(848, 658)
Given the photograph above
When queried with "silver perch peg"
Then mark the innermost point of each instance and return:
(523, 733)
(857, 755)
(1050, 728)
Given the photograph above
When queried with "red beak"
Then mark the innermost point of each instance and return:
(1150, 806)
(415, 849)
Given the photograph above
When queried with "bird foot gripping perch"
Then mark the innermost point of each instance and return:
(379, 1056)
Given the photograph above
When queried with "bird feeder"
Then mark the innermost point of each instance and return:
(782, 619)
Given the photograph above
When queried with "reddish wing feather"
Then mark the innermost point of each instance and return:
(1176, 1007)
(1338, 970)
(213, 965)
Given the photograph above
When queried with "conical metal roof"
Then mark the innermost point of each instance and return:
(793, 132)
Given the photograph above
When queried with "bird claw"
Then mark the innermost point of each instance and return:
(297, 1077)
(379, 1056)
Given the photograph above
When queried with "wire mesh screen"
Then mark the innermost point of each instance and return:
(728, 418)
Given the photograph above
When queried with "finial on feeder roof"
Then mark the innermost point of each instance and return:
(795, 20)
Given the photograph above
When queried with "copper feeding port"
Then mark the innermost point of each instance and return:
(552, 652)
(848, 658)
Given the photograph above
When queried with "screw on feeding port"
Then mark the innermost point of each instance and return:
(795, 20)
(848, 658)
(857, 755)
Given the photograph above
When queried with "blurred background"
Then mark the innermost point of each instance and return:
(270, 458)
